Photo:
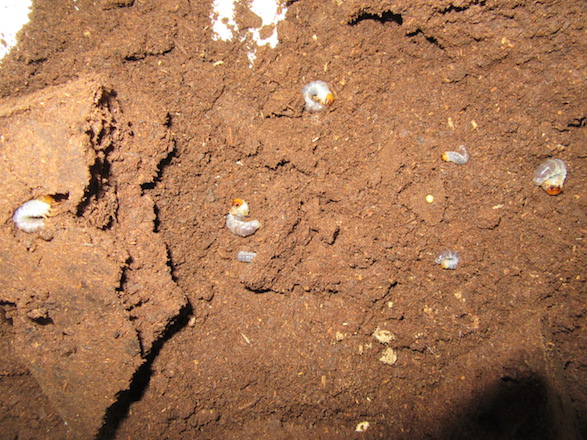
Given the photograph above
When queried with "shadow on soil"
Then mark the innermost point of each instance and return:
(515, 409)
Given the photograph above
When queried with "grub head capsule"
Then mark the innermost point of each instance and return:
(239, 208)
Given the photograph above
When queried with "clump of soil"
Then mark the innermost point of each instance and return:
(354, 202)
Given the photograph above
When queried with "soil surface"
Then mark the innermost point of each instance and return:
(343, 317)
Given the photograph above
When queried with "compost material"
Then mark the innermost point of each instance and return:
(131, 314)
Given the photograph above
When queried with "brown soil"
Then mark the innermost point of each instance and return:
(156, 331)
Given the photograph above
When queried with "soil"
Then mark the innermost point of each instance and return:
(165, 126)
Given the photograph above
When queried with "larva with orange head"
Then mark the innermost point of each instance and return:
(551, 175)
(460, 157)
(448, 259)
(30, 216)
(317, 95)
(235, 219)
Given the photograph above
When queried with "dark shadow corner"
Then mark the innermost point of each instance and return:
(517, 407)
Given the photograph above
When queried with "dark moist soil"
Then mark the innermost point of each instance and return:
(283, 348)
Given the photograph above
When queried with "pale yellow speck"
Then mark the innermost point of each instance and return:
(388, 356)
(362, 427)
(383, 336)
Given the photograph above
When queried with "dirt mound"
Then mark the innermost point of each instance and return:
(81, 324)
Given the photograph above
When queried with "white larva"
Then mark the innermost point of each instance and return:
(240, 227)
(245, 257)
(448, 259)
(235, 222)
(551, 175)
(317, 95)
(460, 157)
(31, 215)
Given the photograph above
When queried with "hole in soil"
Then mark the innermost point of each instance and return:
(160, 168)
(99, 171)
(60, 197)
(105, 98)
(5, 312)
(384, 17)
(453, 8)
(42, 320)
(431, 40)
(156, 222)
(578, 122)
(119, 410)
